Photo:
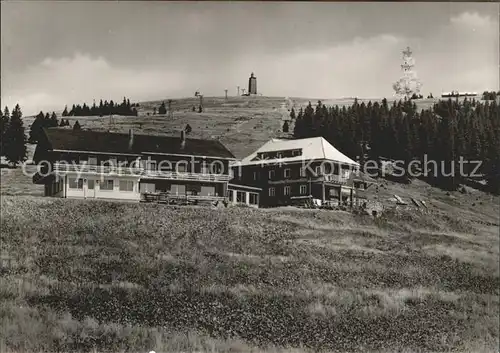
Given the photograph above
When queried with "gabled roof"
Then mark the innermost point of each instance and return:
(313, 148)
(110, 142)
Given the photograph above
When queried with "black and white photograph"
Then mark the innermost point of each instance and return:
(249, 176)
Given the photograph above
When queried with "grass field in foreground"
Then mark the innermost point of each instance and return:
(136, 277)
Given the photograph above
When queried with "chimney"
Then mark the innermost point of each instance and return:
(130, 139)
(183, 138)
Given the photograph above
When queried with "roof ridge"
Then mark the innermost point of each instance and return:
(323, 147)
(126, 133)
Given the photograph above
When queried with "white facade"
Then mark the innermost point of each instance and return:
(95, 186)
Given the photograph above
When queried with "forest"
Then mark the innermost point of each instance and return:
(448, 131)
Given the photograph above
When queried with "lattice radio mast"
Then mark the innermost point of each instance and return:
(170, 113)
(408, 84)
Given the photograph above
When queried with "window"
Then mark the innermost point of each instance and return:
(296, 153)
(147, 187)
(287, 173)
(204, 169)
(286, 190)
(207, 190)
(272, 192)
(302, 172)
(178, 189)
(107, 184)
(92, 160)
(255, 175)
(216, 167)
(126, 185)
(318, 170)
(181, 167)
(254, 199)
(164, 166)
(240, 197)
(303, 189)
(271, 174)
(75, 183)
(90, 184)
(152, 165)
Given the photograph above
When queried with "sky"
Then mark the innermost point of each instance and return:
(64, 52)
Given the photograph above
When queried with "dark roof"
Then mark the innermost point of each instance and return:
(101, 141)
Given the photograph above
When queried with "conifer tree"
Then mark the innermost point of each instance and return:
(285, 126)
(162, 110)
(37, 127)
(65, 111)
(298, 129)
(4, 124)
(53, 120)
(76, 126)
(15, 139)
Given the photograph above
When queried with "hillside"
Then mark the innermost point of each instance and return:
(110, 276)
(83, 275)
(241, 123)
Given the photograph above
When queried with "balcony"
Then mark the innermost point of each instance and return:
(206, 177)
(98, 169)
(168, 198)
(334, 178)
(139, 172)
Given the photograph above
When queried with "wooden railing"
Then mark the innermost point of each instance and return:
(166, 197)
(333, 178)
(98, 169)
(186, 176)
(140, 172)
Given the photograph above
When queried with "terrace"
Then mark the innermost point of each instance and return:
(136, 170)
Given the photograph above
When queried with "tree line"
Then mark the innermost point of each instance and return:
(104, 108)
(490, 95)
(445, 132)
(12, 137)
(45, 121)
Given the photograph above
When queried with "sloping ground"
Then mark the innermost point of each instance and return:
(134, 277)
(242, 123)
(473, 205)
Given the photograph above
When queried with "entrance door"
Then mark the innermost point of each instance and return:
(90, 190)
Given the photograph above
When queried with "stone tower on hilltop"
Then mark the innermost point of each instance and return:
(252, 84)
(409, 83)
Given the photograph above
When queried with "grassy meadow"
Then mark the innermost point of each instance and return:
(106, 276)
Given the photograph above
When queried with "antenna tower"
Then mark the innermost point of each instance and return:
(198, 94)
(225, 91)
(408, 84)
(238, 91)
(170, 113)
